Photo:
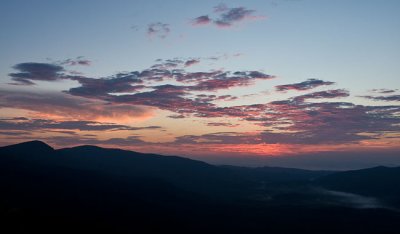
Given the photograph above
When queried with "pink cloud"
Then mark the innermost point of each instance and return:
(201, 20)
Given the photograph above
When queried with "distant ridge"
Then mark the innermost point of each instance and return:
(188, 174)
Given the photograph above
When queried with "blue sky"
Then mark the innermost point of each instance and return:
(344, 40)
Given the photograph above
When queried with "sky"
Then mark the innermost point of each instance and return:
(297, 83)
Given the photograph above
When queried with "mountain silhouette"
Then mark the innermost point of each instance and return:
(26, 148)
(93, 189)
(188, 174)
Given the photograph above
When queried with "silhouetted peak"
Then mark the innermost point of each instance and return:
(380, 167)
(29, 147)
(35, 143)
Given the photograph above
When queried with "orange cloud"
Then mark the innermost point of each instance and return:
(60, 106)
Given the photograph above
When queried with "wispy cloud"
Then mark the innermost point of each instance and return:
(226, 17)
(158, 29)
(217, 138)
(91, 140)
(305, 85)
(337, 93)
(75, 62)
(40, 124)
(383, 91)
(222, 124)
(388, 98)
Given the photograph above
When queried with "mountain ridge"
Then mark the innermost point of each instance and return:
(117, 191)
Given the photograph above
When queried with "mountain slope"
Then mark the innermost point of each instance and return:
(96, 190)
(185, 173)
(381, 182)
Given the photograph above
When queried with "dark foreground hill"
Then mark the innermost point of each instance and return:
(96, 190)
(381, 182)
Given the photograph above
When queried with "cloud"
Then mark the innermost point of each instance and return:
(226, 80)
(305, 85)
(174, 63)
(15, 133)
(217, 138)
(64, 106)
(156, 74)
(132, 94)
(158, 29)
(201, 20)
(306, 124)
(299, 122)
(337, 93)
(220, 8)
(176, 97)
(43, 124)
(88, 140)
(132, 82)
(191, 62)
(66, 132)
(221, 124)
(226, 17)
(231, 16)
(328, 123)
(224, 56)
(388, 98)
(176, 116)
(226, 98)
(120, 83)
(383, 91)
(75, 62)
(193, 77)
(166, 97)
(167, 85)
(211, 98)
(29, 72)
